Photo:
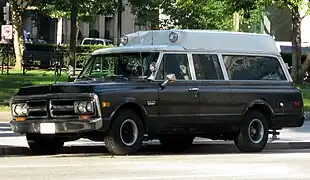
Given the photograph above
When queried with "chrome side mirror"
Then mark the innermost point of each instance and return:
(170, 78)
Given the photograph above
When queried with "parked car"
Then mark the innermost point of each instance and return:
(170, 85)
(96, 41)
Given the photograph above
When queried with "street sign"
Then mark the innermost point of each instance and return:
(7, 31)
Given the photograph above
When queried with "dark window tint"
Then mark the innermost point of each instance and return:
(87, 42)
(174, 64)
(207, 67)
(253, 68)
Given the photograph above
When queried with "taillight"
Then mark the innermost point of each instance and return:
(297, 104)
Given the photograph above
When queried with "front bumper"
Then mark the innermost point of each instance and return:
(68, 126)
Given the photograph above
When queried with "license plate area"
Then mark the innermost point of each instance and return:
(47, 128)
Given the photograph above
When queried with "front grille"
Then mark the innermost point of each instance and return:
(53, 109)
(62, 108)
(37, 109)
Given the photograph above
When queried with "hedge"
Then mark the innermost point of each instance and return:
(82, 52)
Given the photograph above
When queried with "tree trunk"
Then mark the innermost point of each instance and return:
(77, 30)
(119, 21)
(74, 12)
(19, 43)
(296, 45)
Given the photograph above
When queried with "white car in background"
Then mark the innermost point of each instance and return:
(96, 41)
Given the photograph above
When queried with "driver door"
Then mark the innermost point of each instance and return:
(178, 101)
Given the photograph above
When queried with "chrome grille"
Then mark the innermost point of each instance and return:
(62, 108)
(37, 109)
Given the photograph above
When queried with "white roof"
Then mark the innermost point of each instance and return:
(197, 40)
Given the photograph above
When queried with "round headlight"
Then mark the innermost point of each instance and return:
(89, 107)
(20, 109)
(82, 107)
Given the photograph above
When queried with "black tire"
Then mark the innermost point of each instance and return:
(249, 140)
(175, 143)
(43, 145)
(123, 146)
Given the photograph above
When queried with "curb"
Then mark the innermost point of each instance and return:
(213, 148)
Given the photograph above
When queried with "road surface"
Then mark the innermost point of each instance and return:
(8, 138)
(266, 166)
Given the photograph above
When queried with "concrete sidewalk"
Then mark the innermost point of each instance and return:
(5, 116)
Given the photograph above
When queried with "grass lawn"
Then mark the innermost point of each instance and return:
(9, 84)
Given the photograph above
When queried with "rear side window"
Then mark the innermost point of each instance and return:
(253, 68)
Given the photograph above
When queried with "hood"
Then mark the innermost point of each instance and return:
(76, 87)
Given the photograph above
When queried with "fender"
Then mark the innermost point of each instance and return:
(257, 102)
(126, 101)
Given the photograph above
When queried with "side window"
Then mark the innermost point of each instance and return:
(207, 67)
(174, 64)
(253, 68)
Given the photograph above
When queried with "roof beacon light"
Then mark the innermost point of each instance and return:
(124, 40)
(173, 37)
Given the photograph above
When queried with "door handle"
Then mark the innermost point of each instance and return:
(193, 89)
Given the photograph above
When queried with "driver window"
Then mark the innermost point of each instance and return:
(174, 64)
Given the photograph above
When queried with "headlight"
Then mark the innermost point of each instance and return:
(84, 107)
(20, 109)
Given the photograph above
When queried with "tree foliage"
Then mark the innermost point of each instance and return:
(191, 14)
(146, 12)
(86, 8)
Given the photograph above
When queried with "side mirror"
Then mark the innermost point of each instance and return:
(170, 78)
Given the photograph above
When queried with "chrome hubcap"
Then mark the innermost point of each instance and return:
(129, 132)
(256, 131)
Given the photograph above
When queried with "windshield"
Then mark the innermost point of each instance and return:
(129, 65)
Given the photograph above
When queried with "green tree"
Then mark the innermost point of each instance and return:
(77, 10)
(197, 14)
(298, 10)
(18, 7)
(146, 12)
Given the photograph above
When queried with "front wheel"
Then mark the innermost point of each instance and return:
(43, 145)
(253, 134)
(126, 133)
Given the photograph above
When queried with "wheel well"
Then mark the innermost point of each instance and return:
(264, 110)
(136, 108)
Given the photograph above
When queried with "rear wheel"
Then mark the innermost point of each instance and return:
(253, 134)
(176, 143)
(126, 133)
(41, 145)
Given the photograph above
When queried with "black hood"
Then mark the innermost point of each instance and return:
(77, 87)
(56, 88)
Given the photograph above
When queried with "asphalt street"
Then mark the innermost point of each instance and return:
(279, 165)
